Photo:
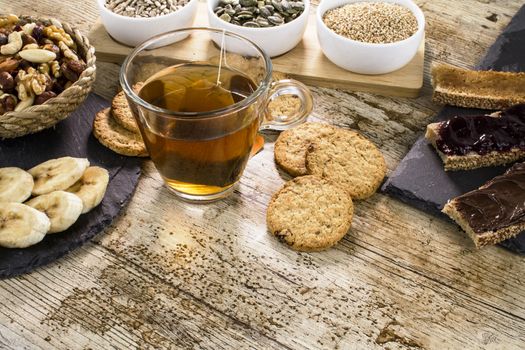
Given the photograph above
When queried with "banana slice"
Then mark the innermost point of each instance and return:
(57, 174)
(15, 185)
(91, 187)
(62, 208)
(21, 226)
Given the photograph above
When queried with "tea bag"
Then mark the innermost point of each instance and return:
(167, 93)
(204, 96)
(241, 87)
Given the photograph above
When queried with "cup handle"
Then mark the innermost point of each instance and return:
(283, 122)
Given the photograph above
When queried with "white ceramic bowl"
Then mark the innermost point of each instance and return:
(133, 31)
(274, 41)
(368, 58)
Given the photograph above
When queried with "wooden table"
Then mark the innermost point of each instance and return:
(171, 275)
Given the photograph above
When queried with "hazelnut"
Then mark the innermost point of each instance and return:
(72, 69)
(7, 104)
(9, 65)
(43, 97)
(7, 83)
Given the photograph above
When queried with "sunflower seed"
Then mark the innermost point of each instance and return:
(145, 8)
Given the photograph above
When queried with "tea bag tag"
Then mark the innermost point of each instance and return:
(221, 55)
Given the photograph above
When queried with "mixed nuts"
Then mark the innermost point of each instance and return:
(38, 60)
(259, 13)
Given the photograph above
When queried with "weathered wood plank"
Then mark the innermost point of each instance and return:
(91, 299)
(168, 274)
(227, 258)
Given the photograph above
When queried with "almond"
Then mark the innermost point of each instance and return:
(37, 55)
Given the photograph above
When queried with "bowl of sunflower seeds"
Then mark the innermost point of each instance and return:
(276, 26)
(133, 22)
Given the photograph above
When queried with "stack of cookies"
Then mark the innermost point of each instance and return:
(332, 166)
(116, 128)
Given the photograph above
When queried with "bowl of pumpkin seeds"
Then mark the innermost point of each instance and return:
(276, 26)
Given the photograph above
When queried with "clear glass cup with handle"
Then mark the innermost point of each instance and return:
(199, 104)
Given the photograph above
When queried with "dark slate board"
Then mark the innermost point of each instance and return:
(71, 137)
(420, 180)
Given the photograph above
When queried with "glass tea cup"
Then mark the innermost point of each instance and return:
(199, 104)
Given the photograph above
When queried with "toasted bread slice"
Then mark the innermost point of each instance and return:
(471, 160)
(493, 212)
(484, 238)
(477, 89)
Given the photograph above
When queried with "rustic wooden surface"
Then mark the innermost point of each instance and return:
(305, 62)
(172, 275)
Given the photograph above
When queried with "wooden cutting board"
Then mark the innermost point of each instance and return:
(305, 62)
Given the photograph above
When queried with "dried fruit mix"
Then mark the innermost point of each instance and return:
(38, 60)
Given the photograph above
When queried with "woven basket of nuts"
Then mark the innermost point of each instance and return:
(47, 69)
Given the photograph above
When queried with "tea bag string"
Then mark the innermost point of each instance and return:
(221, 55)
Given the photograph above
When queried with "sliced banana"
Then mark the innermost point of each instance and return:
(21, 226)
(91, 187)
(15, 185)
(57, 174)
(61, 207)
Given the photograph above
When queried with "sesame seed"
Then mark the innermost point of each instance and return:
(372, 22)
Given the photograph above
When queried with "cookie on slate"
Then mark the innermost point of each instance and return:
(118, 139)
(291, 146)
(349, 160)
(121, 111)
(310, 213)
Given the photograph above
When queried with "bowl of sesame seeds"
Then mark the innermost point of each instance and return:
(370, 36)
(132, 22)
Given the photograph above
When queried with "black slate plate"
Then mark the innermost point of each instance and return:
(420, 180)
(71, 137)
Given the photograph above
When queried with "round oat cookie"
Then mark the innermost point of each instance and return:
(310, 213)
(118, 139)
(122, 112)
(291, 145)
(349, 160)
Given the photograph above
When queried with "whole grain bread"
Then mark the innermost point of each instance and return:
(477, 89)
(485, 238)
(471, 160)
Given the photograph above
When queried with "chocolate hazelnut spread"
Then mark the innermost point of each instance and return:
(498, 204)
(483, 134)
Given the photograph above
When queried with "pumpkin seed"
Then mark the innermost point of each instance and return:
(225, 17)
(275, 20)
(259, 13)
(251, 24)
(248, 3)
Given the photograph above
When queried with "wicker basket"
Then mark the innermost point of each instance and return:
(40, 117)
